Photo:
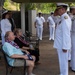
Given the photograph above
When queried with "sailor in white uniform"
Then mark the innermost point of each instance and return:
(72, 10)
(51, 24)
(62, 40)
(69, 52)
(39, 22)
(5, 25)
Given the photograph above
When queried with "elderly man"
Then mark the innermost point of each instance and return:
(13, 51)
(72, 15)
(39, 22)
(62, 40)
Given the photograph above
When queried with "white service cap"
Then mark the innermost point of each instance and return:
(5, 12)
(60, 5)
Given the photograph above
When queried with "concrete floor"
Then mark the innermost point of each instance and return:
(48, 59)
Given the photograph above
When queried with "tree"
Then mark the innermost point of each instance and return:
(8, 4)
(40, 7)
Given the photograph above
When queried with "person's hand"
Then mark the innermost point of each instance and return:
(25, 57)
(31, 48)
(27, 43)
(64, 50)
(27, 52)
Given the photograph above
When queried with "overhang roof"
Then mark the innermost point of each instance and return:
(41, 1)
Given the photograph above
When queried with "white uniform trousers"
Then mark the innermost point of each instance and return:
(52, 31)
(3, 39)
(63, 62)
(73, 51)
(39, 32)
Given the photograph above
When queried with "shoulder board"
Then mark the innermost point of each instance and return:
(65, 17)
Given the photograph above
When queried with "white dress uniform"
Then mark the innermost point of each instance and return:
(63, 41)
(39, 26)
(73, 44)
(69, 52)
(51, 27)
(5, 26)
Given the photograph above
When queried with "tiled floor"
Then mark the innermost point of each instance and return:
(48, 59)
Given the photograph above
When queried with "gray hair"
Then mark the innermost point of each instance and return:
(7, 34)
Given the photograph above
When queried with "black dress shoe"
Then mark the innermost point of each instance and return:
(69, 60)
(73, 70)
(0, 58)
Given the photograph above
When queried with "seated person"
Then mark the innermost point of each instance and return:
(23, 44)
(13, 50)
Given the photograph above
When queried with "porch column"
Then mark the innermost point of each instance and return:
(23, 17)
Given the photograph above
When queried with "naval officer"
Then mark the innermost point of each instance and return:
(39, 22)
(62, 40)
(72, 15)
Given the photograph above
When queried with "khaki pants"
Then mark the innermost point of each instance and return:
(19, 62)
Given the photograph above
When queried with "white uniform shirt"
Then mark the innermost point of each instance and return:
(39, 21)
(73, 23)
(51, 21)
(62, 36)
(5, 26)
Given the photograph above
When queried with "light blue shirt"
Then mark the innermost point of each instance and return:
(11, 50)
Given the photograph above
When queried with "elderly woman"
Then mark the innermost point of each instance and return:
(23, 44)
(12, 49)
